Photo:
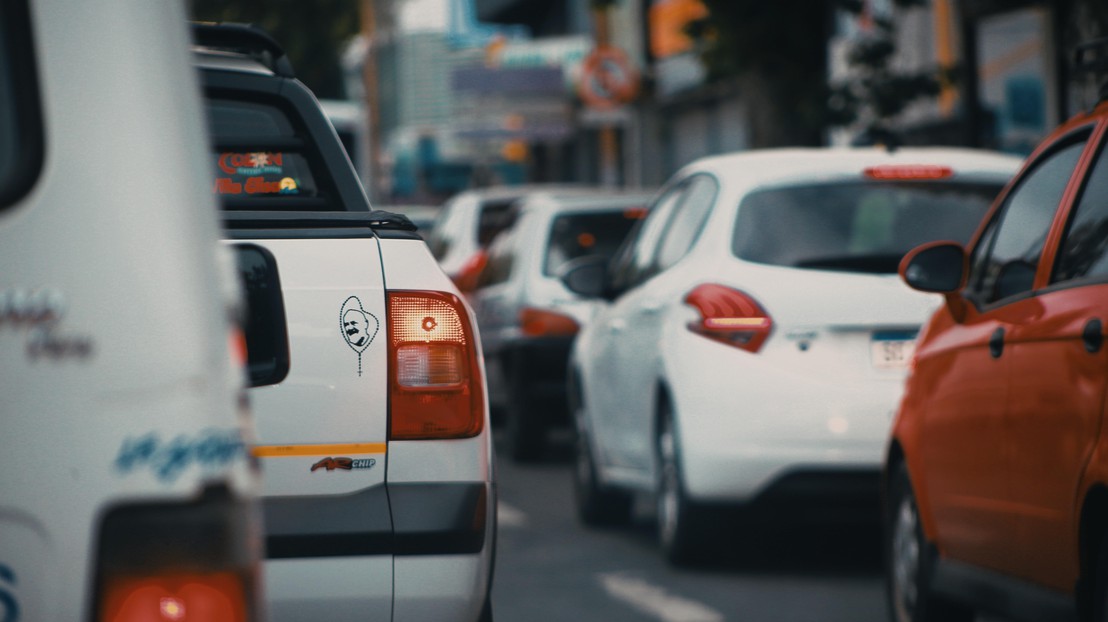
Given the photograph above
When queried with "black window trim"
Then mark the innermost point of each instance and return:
(16, 20)
(1101, 150)
(654, 268)
(1000, 209)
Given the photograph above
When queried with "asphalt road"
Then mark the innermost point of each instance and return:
(549, 567)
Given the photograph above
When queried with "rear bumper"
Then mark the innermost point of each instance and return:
(412, 551)
(747, 425)
(405, 519)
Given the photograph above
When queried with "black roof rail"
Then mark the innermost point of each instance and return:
(244, 38)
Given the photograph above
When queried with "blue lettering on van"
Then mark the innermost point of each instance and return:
(9, 606)
(168, 459)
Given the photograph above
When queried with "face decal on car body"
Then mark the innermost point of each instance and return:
(359, 327)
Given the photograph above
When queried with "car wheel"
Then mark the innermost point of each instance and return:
(596, 504)
(910, 559)
(525, 431)
(682, 530)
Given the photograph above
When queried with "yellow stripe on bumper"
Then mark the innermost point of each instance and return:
(288, 451)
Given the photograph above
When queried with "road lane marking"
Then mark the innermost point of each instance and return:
(655, 601)
(508, 516)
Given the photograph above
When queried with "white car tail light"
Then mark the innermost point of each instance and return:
(729, 316)
(435, 385)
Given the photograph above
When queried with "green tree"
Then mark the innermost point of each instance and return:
(312, 33)
(777, 53)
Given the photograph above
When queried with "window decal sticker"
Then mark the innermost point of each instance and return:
(358, 326)
(212, 449)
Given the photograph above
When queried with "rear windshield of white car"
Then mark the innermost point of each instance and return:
(496, 215)
(262, 161)
(856, 226)
(581, 235)
(20, 123)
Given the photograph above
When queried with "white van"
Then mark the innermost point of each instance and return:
(126, 491)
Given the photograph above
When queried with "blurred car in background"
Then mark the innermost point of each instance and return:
(997, 471)
(467, 225)
(127, 492)
(756, 337)
(527, 317)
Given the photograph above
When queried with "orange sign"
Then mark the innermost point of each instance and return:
(608, 79)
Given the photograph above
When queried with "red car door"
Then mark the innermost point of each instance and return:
(965, 441)
(1059, 369)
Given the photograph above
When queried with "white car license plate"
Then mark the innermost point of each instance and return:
(892, 349)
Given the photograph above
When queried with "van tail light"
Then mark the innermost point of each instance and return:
(543, 323)
(435, 385)
(190, 562)
(729, 316)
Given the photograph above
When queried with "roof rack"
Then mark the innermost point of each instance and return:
(246, 39)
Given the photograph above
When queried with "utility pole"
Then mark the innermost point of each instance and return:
(369, 80)
(609, 141)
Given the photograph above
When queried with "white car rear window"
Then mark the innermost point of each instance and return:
(856, 226)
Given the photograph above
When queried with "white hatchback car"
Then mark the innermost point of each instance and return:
(757, 335)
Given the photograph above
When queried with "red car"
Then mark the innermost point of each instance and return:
(997, 470)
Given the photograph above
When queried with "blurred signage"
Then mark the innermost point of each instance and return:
(511, 103)
(668, 20)
(566, 53)
(677, 66)
(608, 79)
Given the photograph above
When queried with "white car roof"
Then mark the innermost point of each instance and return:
(780, 166)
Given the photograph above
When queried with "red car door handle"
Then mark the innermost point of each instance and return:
(996, 343)
(1093, 335)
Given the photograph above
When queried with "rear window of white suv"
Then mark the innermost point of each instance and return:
(262, 161)
(20, 124)
(860, 226)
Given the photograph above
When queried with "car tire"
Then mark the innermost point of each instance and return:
(683, 529)
(910, 560)
(1099, 604)
(525, 429)
(597, 505)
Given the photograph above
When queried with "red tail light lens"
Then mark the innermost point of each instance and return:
(729, 316)
(175, 598)
(435, 385)
(180, 562)
(544, 323)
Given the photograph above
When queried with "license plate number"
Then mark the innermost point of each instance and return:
(892, 351)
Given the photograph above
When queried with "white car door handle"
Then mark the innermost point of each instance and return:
(650, 308)
(616, 325)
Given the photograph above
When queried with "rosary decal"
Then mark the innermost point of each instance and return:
(358, 326)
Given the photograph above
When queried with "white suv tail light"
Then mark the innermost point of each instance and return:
(435, 388)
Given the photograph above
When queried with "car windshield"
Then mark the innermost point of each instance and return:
(856, 226)
(580, 235)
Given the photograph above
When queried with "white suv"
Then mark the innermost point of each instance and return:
(757, 336)
(126, 490)
(379, 495)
